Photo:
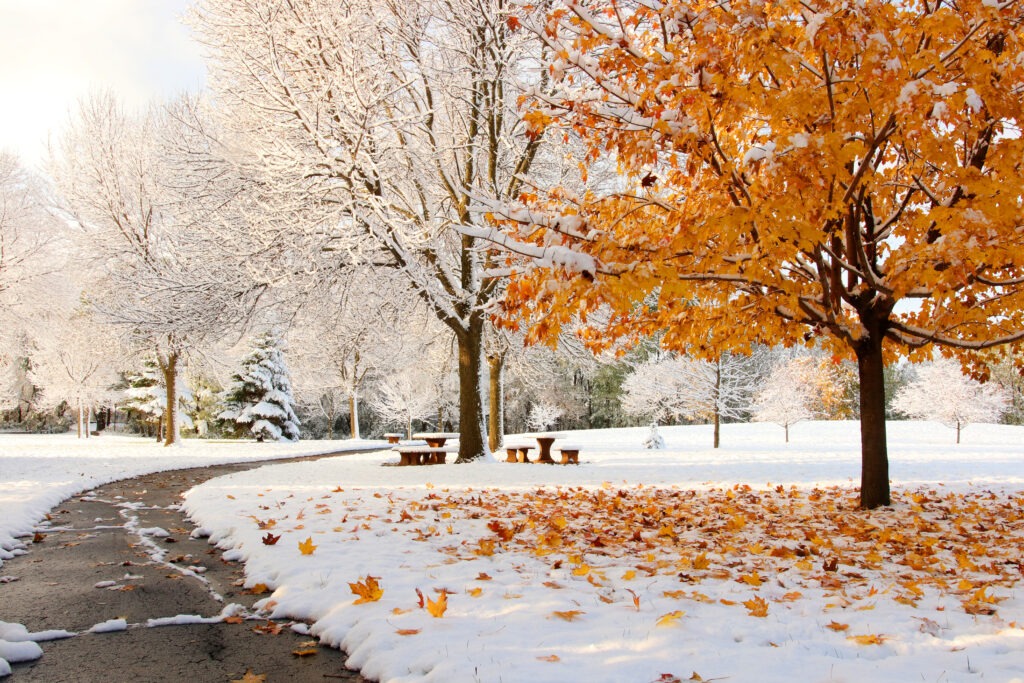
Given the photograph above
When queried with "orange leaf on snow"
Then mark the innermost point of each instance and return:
(259, 589)
(306, 547)
(368, 590)
(407, 631)
(475, 592)
(550, 658)
(870, 639)
(670, 618)
(836, 626)
(270, 539)
(571, 615)
(757, 606)
(438, 607)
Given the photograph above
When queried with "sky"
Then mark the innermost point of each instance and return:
(52, 52)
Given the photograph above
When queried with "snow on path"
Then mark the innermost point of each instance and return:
(38, 472)
(501, 622)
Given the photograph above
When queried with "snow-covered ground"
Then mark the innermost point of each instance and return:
(616, 571)
(37, 472)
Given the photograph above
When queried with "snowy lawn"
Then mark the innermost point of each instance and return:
(650, 565)
(37, 472)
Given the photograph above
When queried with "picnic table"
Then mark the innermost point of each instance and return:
(436, 439)
(393, 437)
(544, 441)
(434, 453)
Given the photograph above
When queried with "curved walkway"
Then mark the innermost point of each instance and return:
(105, 556)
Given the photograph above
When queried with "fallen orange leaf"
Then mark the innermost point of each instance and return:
(871, 639)
(368, 590)
(438, 607)
(550, 658)
(670, 618)
(571, 615)
(307, 547)
(407, 631)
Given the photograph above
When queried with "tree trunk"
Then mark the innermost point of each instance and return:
(874, 473)
(79, 418)
(496, 423)
(408, 428)
(169, 367)
(472, 427)
(88, 421)
(787, 433)
(958, 431)
(353, 410)
(718, 385)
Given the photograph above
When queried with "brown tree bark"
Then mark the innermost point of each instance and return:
(496, 421)
(874, 474)
(471, 409)
(169, 367)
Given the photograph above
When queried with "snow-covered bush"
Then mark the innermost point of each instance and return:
(543, 415)
(944, 394)
(260, 396)
(654, 440)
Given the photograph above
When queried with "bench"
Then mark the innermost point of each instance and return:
(570, 455)
(518, 453)
(393, 437)
(424, 455)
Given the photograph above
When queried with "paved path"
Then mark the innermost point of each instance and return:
(94, 538)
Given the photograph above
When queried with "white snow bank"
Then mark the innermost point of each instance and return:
(502, 620)
(20, 651)
(37, 472)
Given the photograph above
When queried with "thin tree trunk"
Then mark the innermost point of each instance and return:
(496, 422)
(88, 421)
(787, 433)
(718, 385)
(958, 431)
(472, 427)
(79, 418)
(353, 406)
(169, 366)
(874, 475)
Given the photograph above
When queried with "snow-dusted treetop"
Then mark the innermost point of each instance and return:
(943, 393)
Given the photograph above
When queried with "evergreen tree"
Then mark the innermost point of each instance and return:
(144, 395)
(260, 396)
(147, 397)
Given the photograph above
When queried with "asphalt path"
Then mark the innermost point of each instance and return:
(99, 537)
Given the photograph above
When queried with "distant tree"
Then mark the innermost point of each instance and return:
(75, 363)
(543, 415)
(259, 400)
(942, 393)
(676, 386)
(797, 389)
(406, 395)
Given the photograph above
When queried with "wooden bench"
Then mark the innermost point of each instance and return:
(570, 455)
(424, 455)
(518, 453)
(393, 437)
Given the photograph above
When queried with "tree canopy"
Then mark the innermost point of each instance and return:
(793, 172)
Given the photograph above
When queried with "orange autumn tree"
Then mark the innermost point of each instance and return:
(814, 171)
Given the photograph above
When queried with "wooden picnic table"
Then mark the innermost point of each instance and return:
(544, 441)
(393, 437)
(435, 440)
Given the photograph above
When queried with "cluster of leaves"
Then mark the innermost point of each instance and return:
(964, 545)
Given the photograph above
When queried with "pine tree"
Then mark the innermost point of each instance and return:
(260, 396)
(145, 394)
